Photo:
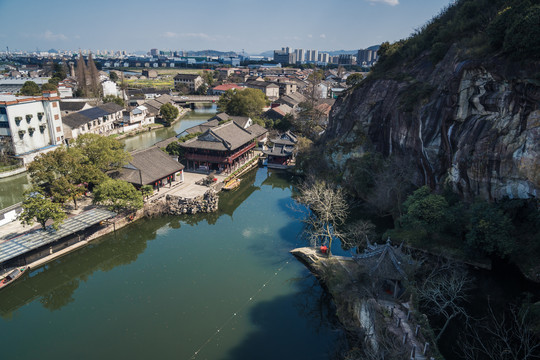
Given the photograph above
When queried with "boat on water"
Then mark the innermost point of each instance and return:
(232, 184)
(12, 276)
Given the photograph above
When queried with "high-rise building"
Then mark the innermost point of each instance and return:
(300, 55)
(284, 57)
(312, 55)
(154, 52)
(324, 57)
(366, 57)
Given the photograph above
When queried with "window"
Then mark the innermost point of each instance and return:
(58, 129)
(54, 104)
(56, 117)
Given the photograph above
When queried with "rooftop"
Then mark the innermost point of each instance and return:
(35, 239)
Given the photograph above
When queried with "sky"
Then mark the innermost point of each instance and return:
(225, 25)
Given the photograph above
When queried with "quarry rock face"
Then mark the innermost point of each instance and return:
(473, 125)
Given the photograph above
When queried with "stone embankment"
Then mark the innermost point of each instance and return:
(177, 205)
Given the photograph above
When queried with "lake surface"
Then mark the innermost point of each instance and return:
(208, 286)
(12, 188)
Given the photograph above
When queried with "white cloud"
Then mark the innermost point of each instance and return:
(322, 36)
(310, 36)
(387, 2)
(49, 35)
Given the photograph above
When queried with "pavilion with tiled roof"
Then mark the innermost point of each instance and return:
(222, 148)
(386, 265)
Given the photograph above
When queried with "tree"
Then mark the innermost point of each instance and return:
(247, 102)
(30, 88)
(425, 209)
(208, 77)
(147, 190)
(62, 174)
(327, 210)
(443, 293)
(491, 230)
(354, 79)
(502, 336)
(103, 152)
(118, 195)
(168, 112)
(357, 234)
(93, 74)
(81, 75)
(113, 76)
(49, 87)
(113, 99)
(37, 207)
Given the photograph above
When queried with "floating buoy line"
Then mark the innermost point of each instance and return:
(234, 314)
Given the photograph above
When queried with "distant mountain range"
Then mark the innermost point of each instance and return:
(212, 53)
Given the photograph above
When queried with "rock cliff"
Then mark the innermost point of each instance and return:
(475, 125)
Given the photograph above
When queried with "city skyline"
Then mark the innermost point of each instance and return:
(137, 26)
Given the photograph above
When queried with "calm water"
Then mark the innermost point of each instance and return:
(163, 287)
(145, 140)
(12, 188)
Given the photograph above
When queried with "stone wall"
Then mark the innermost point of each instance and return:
(177, 205)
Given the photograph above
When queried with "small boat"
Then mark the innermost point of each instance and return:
(232, 184)
(12, 276)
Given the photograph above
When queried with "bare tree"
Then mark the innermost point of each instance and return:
(326, 211)
(391, 186)
(501, 337)
(443, 293)
(357, 234)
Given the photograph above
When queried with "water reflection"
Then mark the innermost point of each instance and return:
(12, 188)
(55, 284)
(316, 310)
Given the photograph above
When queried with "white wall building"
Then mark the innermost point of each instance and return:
(30, 125)
(109, 88)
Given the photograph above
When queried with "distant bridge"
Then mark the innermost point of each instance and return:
(195, 99)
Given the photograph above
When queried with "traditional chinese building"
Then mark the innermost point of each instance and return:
(222, 148)
(282, 153)
(150, 167)
(387, 266)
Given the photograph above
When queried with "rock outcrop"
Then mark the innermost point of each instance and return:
(176, 205)
(473, 124)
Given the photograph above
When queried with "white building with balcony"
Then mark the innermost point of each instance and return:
(30, 125)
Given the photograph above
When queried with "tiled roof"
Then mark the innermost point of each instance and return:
(228, 136)
(72, 105)
(226, 87)
(153, 164)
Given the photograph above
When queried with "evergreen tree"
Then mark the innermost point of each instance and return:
(80, 73)
(93, 74)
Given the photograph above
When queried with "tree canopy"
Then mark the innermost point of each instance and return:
(39, 208)
(118, 195)
(114, 99)
(113, 76)
(30, 88)
(103, 152)
(247, 102)
(354, 79)
(168, 112)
